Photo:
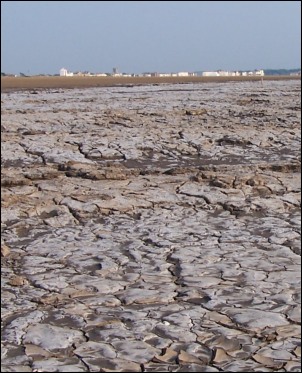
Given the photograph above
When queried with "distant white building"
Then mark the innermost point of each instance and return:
(183, 73)
(259, 72)
(210, 73)
(223, 73)
(233, 73)
(65, 72)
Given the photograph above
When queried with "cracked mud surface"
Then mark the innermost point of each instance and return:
(152, 228)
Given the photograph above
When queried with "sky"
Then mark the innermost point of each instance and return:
(41, 37)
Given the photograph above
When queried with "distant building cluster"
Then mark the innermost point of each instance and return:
(182, 73)
(65, 72)
(223, 73)
(233, 73)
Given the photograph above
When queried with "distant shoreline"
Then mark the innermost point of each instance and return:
(9, 84)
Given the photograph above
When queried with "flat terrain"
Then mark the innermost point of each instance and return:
(38, 82)
(151, 228)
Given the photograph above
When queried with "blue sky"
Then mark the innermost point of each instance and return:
(140, 36)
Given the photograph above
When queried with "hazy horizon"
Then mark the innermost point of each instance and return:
(147, 36)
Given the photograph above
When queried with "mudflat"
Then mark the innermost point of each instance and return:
(151, 228)
(38, 82)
